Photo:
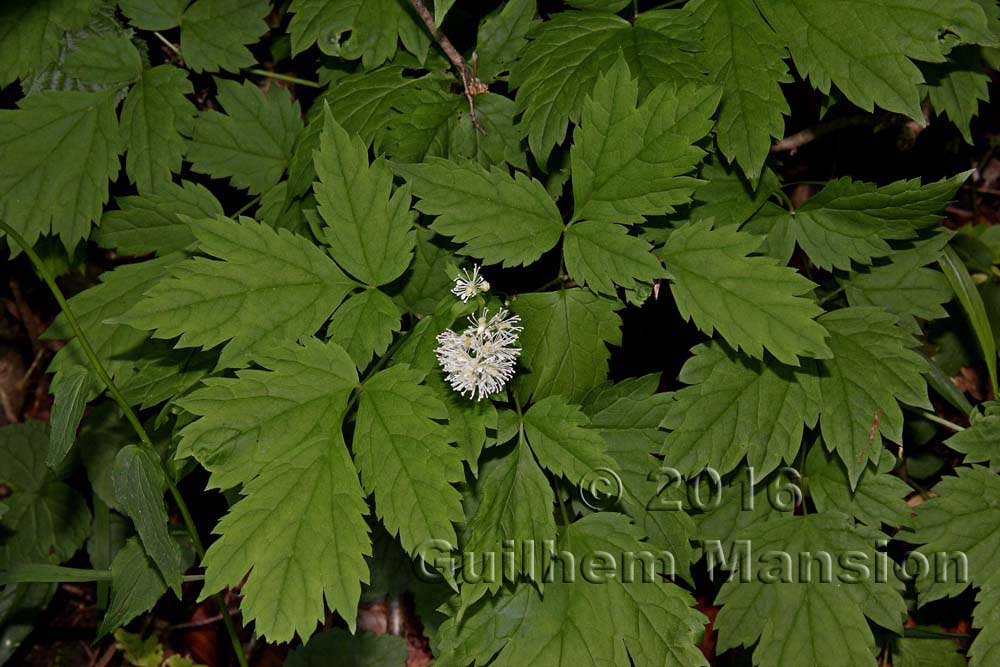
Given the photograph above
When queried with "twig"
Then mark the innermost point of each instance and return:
(792, 143)
(202, 622)
(285, 77)
(473, 86)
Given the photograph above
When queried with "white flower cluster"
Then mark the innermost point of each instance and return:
(480, 360)
(467, 285)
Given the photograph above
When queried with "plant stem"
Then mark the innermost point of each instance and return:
(930, 416)
(119, 398)
(246, 207)
(285, 77)
(170, 45)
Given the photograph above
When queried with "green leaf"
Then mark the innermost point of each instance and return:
(628, 416)
(139, 487)
(745, 58)
(60, 150)
(299, 528)
(913, 652)
(602, 255)
(726, 197)
(373, 28)
(578, 622)
(956, 88)
(364, 324)
(137, 651)
(405, 459)
(751, 301)
(105, 60)
(981, 440)
(561, 63)
(265, 287)
(564, 341)
(252, 143)
(798, 617)
(155, 115)
(46, 520)
(502, 37)
(736, 406)
(850, 220)
(31, 33)
(135, 587)
(157, 222)
(872, 368)
(435, 122)
(560, 440)
(872, 68)
(153, 14)
(214, 33)
(496, 217)
(363, 102)
(514, 502)
(878, 498)
(365, 649)
(427, 279)
(70, 398)
(633, 162)
(367, 226)
(117, 345)
(905, 287)
(961, 519)
(972, 303)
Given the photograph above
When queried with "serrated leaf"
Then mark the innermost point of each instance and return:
(726, 197)
(960, 520)
(435, 122)
(363, 102)
(561, 63)
(263, 287)
(496, 217)
(872, 68)
(628, 416)
(427, 279)
(560, 440)
(564, 342)
(981, 440)
(115, 344)
(577, 622)
(372, 27)
(364, 324)
(69, 400)
(502, 37)
(300, 528)
(214, 33)
(745, 57)
(154, 117)
(110, 60)
(515, 502)
(31, 33)
(157, 222)
(135, 587)
(46, 520)
(153, 14)
(736, 406)
(850, 220)
(878, 498)
(60, 150)
(602, 255)
(251, 144)
(871, 371)
(905, 286)
(367, 226)
(956, 88)
(920, 652)
(405, 459)
(802, 618)
(365, 649)
(633, 162)
(139, 485)
(754, 303)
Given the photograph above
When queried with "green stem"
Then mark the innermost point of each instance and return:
(130, 415)
(930, 416)
(246, 207)
(170, 45)
(285, 77)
